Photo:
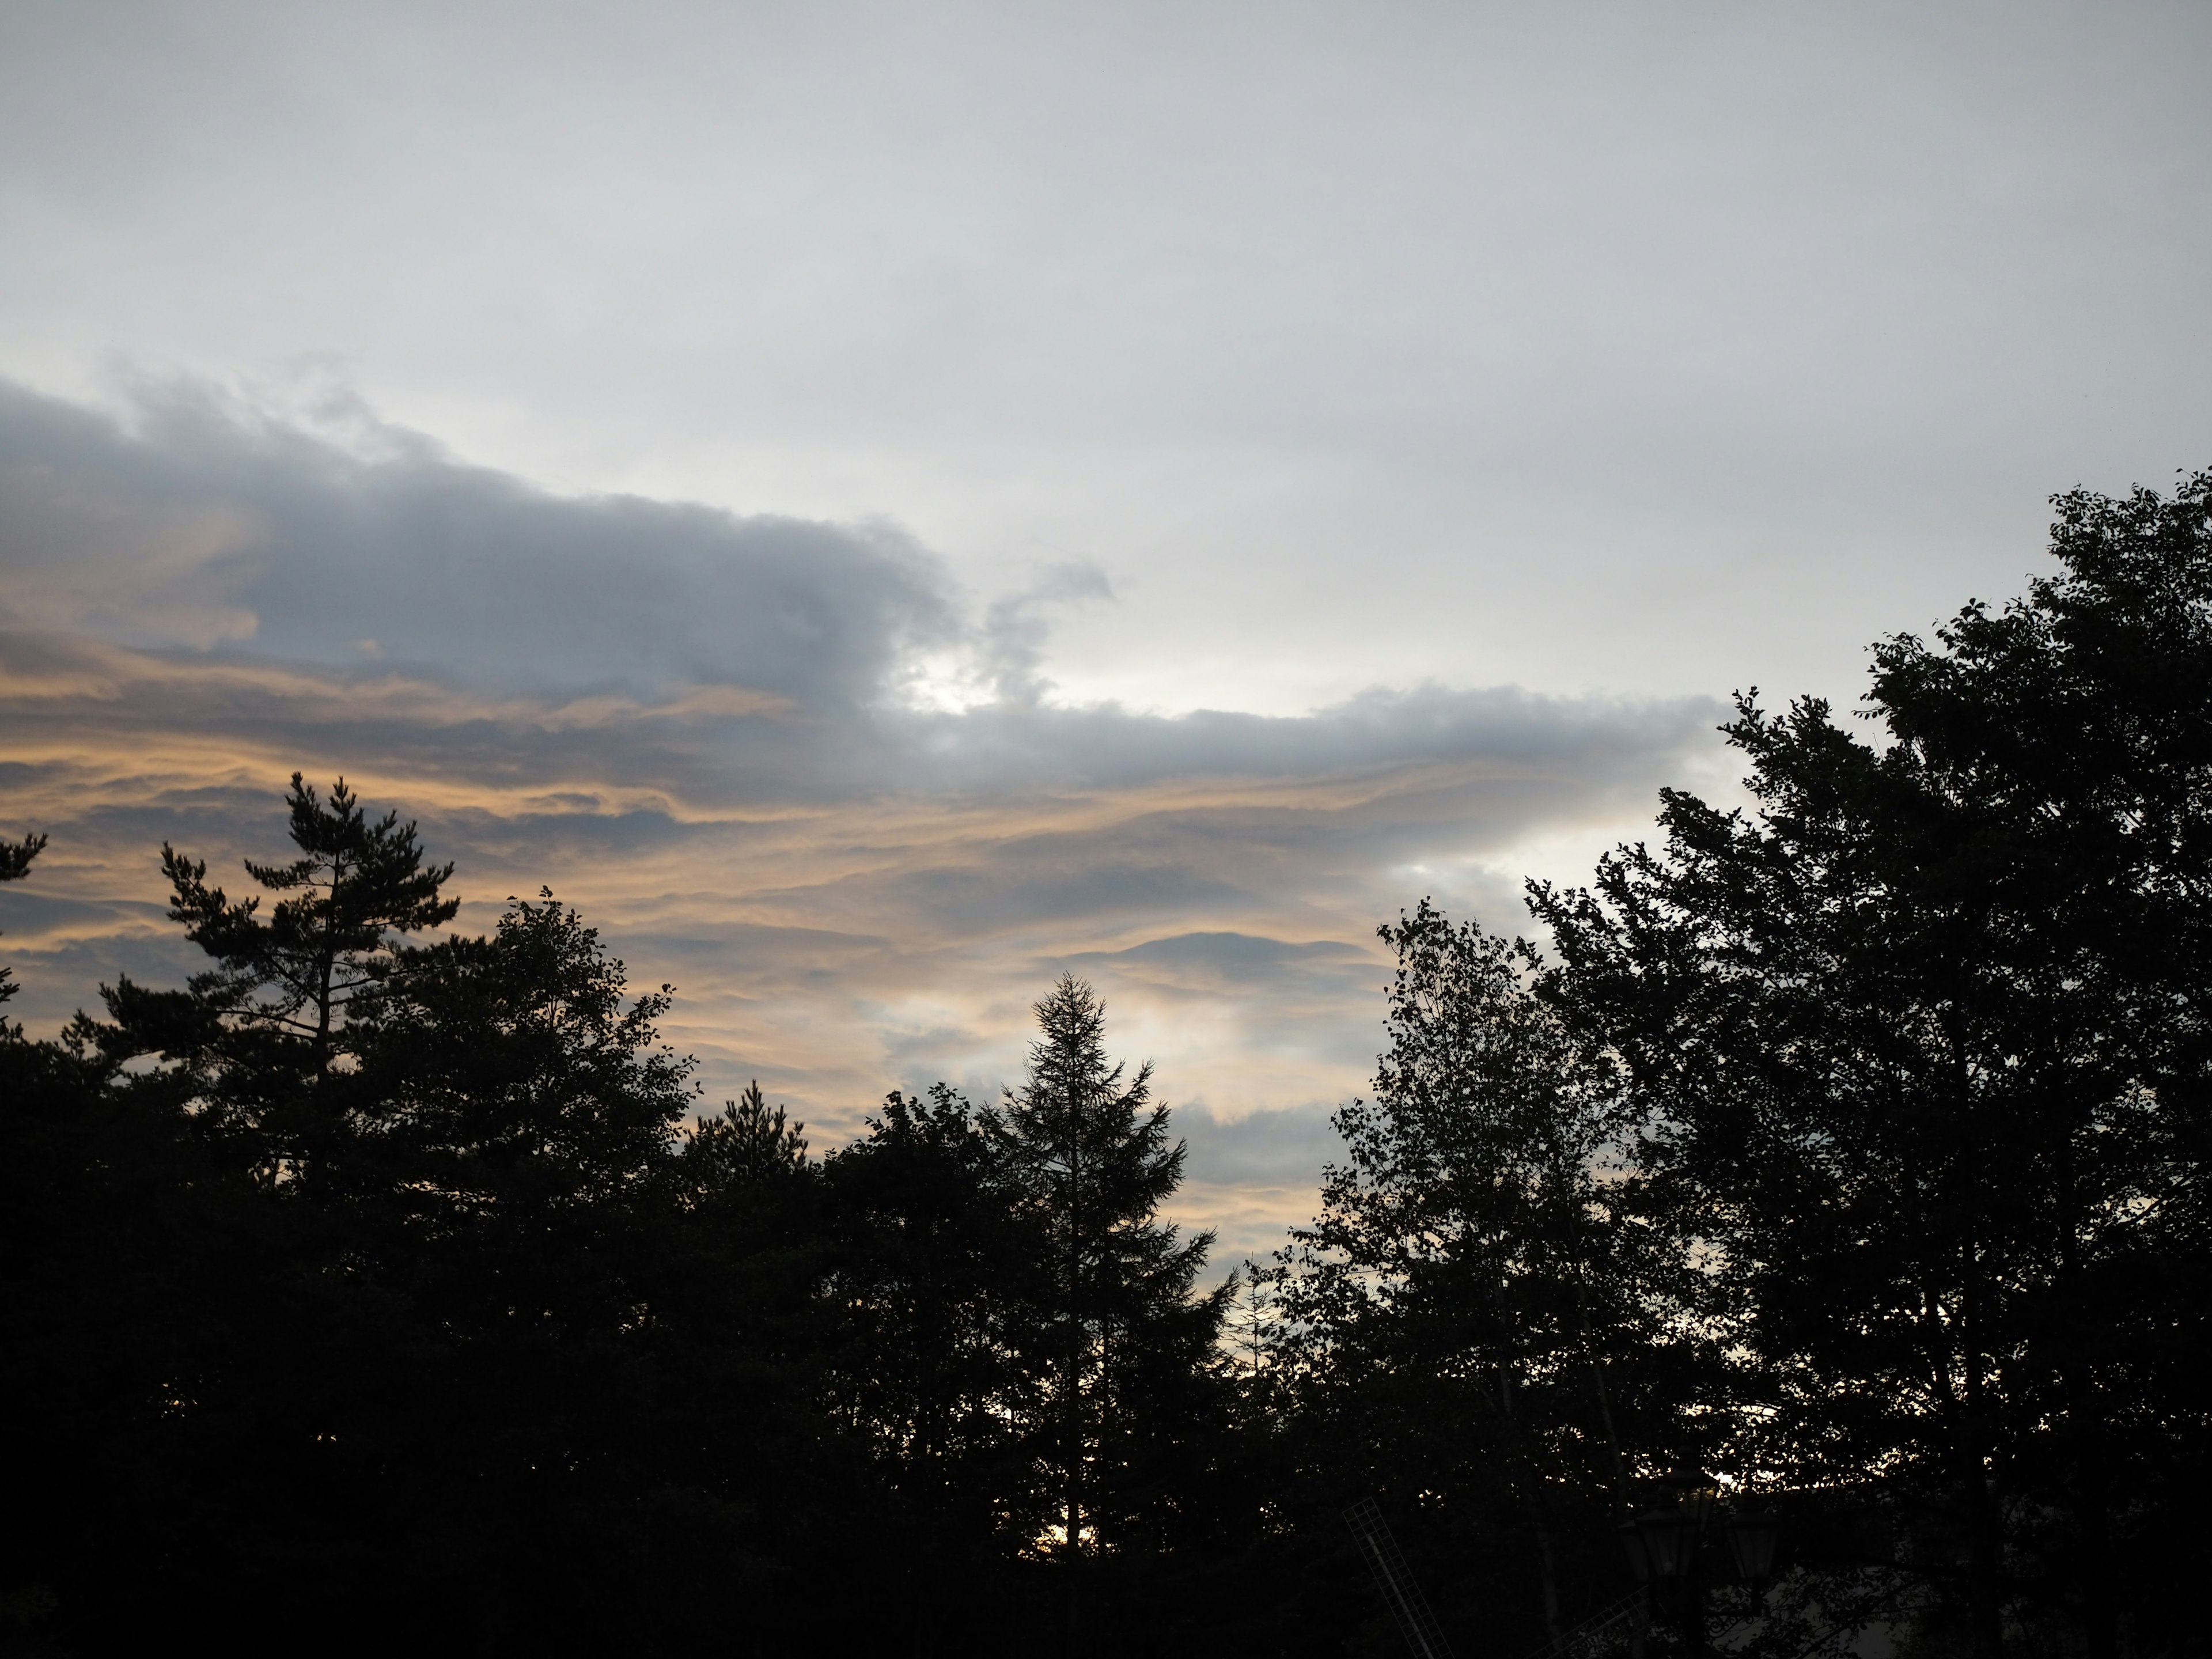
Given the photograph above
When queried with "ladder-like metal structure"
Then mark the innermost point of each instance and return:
(1395, 1580)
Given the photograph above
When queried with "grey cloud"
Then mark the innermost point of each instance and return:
(274, 542)
(1228, 958)
(63, 948)
(1312, 1000)
(1655, 337)
(1229, 863)
(588, 633)
(1286, 1146)
(1015, 630)
(796, 850)
(1106, 746)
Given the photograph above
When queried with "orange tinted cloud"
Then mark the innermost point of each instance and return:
(852, 889)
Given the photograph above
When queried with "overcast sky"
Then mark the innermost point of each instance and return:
(879, 503)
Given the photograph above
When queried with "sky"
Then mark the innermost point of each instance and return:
(881, 505)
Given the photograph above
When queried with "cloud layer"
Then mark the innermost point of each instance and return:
(1573, 346)
(789, 766)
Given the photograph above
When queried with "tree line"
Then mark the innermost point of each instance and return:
(383, 1286)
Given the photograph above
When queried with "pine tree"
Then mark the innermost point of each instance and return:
(250, 1042)
(16, 861)
(1253, 1334)
(745, 1143)
(357, 884)
(1119, 1331)
(15, 865)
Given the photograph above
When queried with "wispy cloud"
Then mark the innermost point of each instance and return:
(702, 727)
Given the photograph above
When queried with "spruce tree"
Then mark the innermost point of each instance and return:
(1118, 1334)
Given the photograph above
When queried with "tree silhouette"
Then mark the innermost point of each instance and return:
(744, 1143)
(1088, 1163)
(247, 1044)
(1922, 1050)
(1469, 1302)
(355, 885)
(372, 1287)
(15, 865)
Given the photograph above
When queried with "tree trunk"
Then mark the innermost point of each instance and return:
(1984, 1568)
(1546, 1564)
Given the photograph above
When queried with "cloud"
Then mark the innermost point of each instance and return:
(699, 727)
(205, 525)
(1015, 630)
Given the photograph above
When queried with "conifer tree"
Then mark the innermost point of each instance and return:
(744, 1143)
(251, 1041)
(15, 865)
(1089, 1163)
(355, 885)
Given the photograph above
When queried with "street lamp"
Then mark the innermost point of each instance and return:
(1752, 1540)
(1662, 1546)
(1693, 1489)
(1669, 1538)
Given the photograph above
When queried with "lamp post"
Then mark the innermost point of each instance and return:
(1664, 1546)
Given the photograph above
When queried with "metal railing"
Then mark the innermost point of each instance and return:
(1609, 1631)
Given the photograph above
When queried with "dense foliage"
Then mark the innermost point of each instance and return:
(385, 1287)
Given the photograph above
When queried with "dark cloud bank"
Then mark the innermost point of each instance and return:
(202, 527)
(788, 763)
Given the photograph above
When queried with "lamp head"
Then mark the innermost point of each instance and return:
(1693, 1489)
(1752, 1541)
(1669, 1537)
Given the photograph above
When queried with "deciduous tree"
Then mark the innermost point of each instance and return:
(1471, 1304)
(1922, 1045)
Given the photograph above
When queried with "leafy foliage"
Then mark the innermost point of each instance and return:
(1471, 1304)
(1919, 1054)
